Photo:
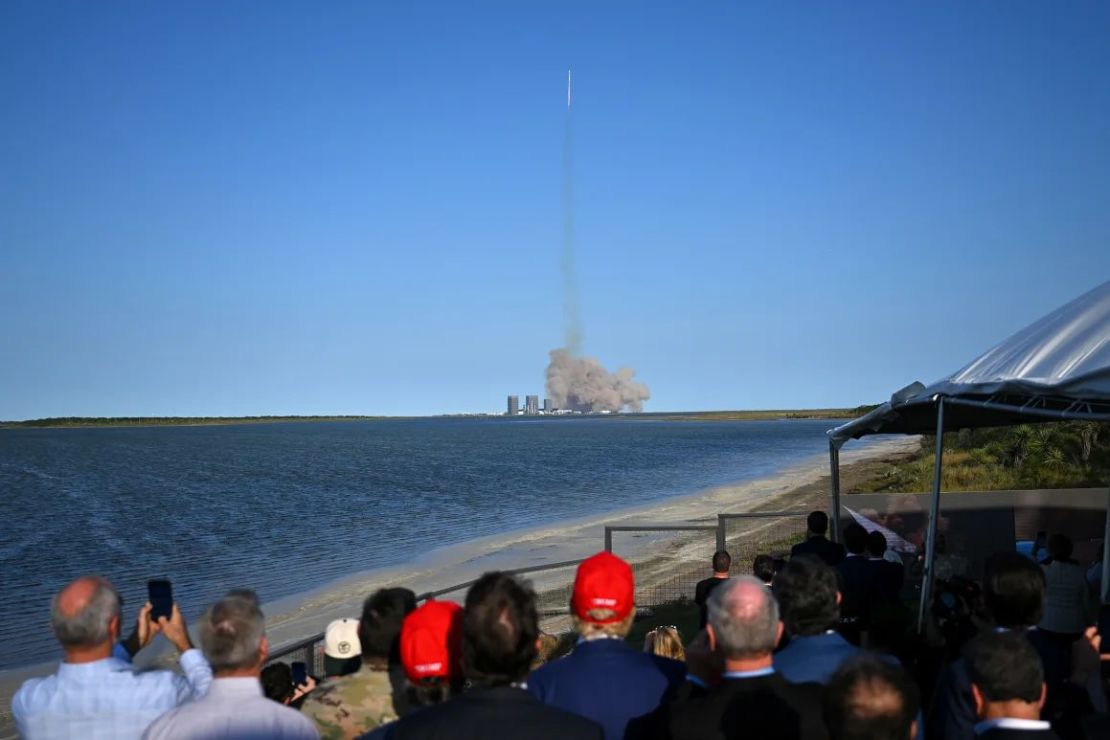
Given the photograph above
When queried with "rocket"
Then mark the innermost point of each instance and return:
(568, 88)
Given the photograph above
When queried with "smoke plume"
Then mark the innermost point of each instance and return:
(582, 384)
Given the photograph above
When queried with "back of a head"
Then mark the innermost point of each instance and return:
(431, 652)
(876, 544)
(666, 642)
(603, 599)
(1005, 667)
(745, 618)
(763, 568)
(806, 591)
(81, 612)
(817, 522)
(1060, 547)
(1013, 589)
(855, 538)
(500, 628)
(277, 682)
(231, 633)
(869, 699)
(722, 561)
(379, 627)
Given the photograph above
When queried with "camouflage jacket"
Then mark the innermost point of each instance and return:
(352, 705)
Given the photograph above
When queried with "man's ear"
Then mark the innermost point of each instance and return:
(711, 638)
(778, 632)
(1044, 693)
(113, 629)
(263, 650)
(839, 598)
(980, 700)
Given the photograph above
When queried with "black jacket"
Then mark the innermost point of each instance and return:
(857, 577)
(954, 708)
(767, 707)
(501, 713)
(1009, 734)
(819, 545)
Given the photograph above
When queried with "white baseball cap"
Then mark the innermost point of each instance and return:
(342, 647)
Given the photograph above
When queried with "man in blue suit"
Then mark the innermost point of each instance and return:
(604, 678)
(809, 597)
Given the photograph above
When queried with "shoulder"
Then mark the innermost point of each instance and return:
(167, 725)
(673, 669)
(32, 691)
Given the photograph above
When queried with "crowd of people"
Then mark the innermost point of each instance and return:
(814, 646)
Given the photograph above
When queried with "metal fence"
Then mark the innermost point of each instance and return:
(669, 574)
(746, 536)
(552, 582)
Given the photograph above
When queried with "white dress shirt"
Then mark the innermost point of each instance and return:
(233, 709)
(1011, 723)
(105, 699)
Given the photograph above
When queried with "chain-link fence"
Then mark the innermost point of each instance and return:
(746, 536)
(552, 583)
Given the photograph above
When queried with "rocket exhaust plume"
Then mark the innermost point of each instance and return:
(573, 338)
(574, 382)
(582, 384)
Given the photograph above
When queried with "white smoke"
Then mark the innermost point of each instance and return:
(582, 384)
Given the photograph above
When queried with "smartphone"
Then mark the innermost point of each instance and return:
(1104, 629)
(300, 674)
(161, 598)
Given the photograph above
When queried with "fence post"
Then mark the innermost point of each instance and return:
(608, 539)
(721, 533)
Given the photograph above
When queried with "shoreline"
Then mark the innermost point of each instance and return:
(131, 422)
(802, 485)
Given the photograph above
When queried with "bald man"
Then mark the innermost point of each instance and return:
(95, 693)
(734, 690)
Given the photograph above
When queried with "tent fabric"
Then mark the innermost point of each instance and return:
(1057, 367)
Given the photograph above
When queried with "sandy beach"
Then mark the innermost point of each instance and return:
(800, 487)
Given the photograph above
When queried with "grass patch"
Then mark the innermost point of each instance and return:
(682, 614)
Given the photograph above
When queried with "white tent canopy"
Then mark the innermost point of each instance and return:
(1056, 368)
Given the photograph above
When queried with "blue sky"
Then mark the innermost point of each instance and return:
(220, 208)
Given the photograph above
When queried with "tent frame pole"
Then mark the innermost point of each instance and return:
(1104, 590)
(834, 468)
(934, 515)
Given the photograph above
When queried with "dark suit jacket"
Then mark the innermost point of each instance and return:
(814, 658)
(767, 707)
(888, 579)
(819, 545)
(701, 595)
(609, 682)
(1096, 727)
(501, 713)
(954, 708)
(857, 588)
(1009, 734)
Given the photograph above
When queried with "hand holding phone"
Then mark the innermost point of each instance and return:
(300, 673)
(161, 599)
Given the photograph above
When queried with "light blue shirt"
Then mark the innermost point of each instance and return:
(105, 699)
(233, 709)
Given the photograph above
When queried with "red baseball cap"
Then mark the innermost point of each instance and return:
(431, 641)
(604, 581)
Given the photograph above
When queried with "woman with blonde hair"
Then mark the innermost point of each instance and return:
(665, 642)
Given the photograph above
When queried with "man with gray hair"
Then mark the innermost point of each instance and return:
(95, 693)
(233, 638)
(733, 689)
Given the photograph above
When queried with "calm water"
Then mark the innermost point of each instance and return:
(285, 508)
